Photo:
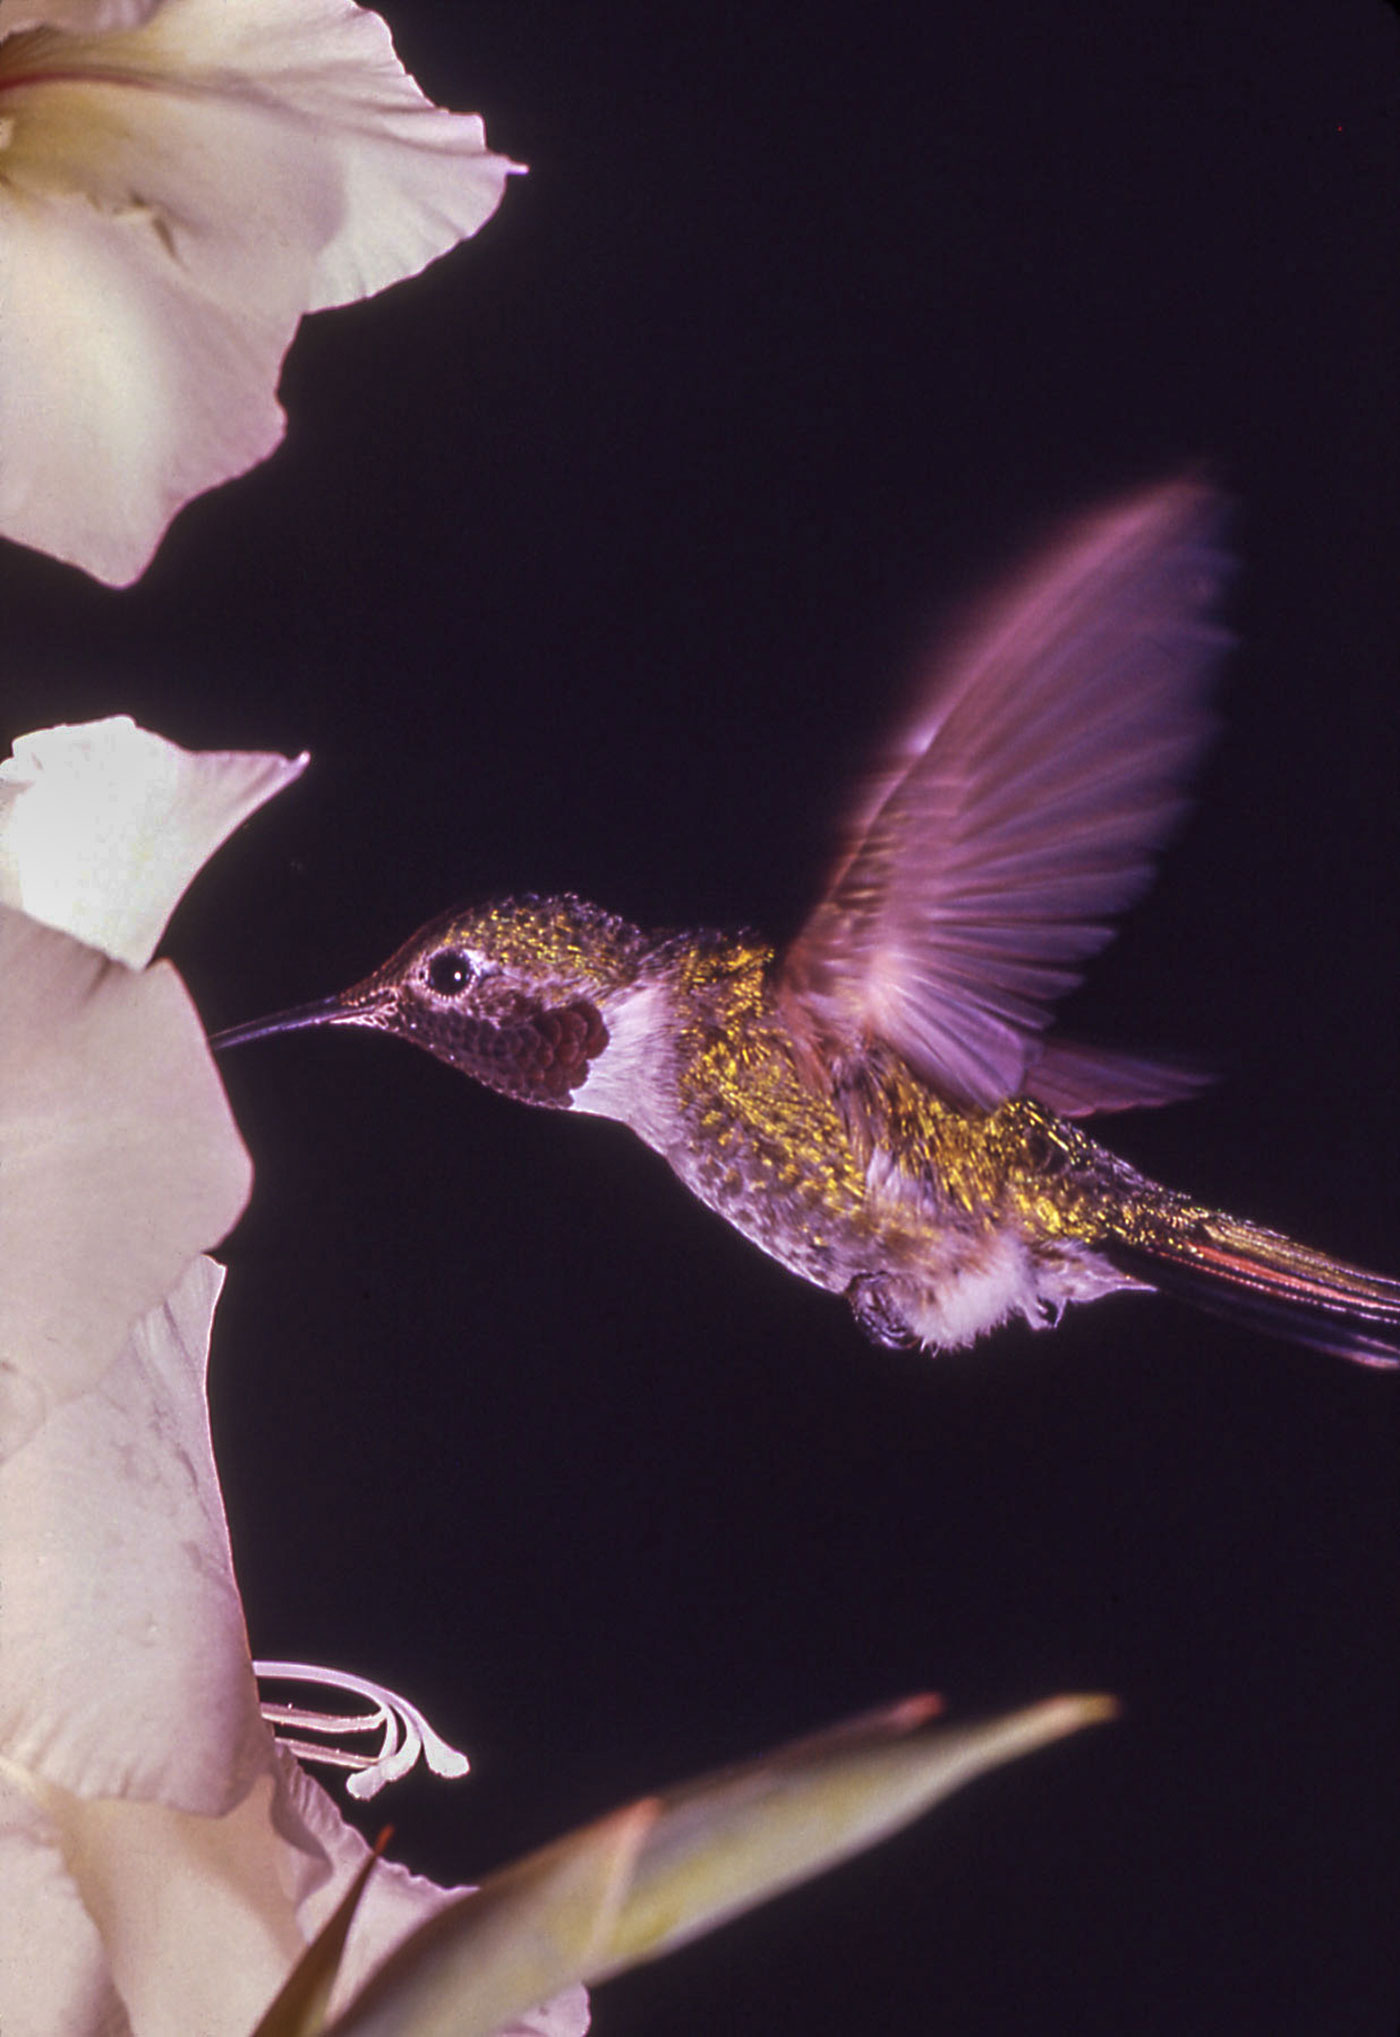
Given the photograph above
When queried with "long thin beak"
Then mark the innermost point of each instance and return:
(329, 1011)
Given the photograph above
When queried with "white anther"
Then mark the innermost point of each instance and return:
(406, 1733)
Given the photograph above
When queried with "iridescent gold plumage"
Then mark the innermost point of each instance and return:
(827, 1189)
(739, 1075)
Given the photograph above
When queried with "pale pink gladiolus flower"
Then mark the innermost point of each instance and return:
(163, 1861)
(180, 181)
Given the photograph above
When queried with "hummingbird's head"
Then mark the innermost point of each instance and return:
(516, 994)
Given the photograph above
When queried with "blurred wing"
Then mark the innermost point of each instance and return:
(1077, 1080)
(1022, 809)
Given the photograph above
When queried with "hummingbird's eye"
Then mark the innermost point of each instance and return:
(449, 972)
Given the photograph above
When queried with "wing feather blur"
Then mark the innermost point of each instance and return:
(1077, 1080)
(1023, 806)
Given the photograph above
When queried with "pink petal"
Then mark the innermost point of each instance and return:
(119, 1157)
(116, 1553)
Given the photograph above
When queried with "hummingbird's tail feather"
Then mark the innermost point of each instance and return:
(1240, 1270)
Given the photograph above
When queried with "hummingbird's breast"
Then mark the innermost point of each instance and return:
(879, 1177)
(756, 1140)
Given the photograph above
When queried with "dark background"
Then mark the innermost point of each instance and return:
(595, 559)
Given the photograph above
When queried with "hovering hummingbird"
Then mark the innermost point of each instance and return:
(879, 1107)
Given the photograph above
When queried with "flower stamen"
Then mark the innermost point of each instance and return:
(405, 1732)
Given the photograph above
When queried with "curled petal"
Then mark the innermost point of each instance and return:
(179, 184)
(411, 180)
(103, 825)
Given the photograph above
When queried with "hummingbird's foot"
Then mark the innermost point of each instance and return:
(877, 1315)
(406, 1733)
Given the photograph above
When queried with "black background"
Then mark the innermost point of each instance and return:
(595, 559)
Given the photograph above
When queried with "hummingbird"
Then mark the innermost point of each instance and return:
(881, 1106)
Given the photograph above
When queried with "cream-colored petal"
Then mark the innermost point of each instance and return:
(414, 179)
(134, 377)
(197, 1916)
(394, 1903)
(75, 17)
(116, 1553)
(173, 197)
(566, 2015)
(119, 1161)
(54, 1980)
(103, 826)
(202, 1852)
(201, 1919)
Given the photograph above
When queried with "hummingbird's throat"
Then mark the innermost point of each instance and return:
(541, 1057)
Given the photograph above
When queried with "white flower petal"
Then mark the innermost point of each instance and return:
(394, 1903)
(118, 1157)
(116, 1553)
(160, 1857)
(124, 393)
(77, 17)
(175, 195)
(413, 180)
(53, 1973)
(566, 2015)
(103, 826)
(158, 1835)
(197, 1916)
